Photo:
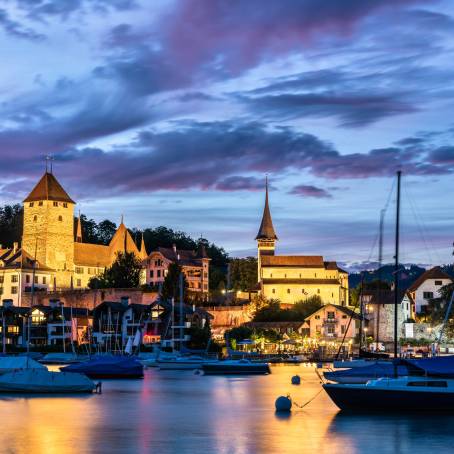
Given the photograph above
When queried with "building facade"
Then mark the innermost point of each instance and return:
(427, 286)
(293, 278)
(195, 266)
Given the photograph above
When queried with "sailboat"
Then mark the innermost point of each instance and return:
(415, 393)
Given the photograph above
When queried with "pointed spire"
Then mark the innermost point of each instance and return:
(143, 250)
(79, 230)
(266, 230)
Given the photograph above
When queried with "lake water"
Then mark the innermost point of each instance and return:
(181, 412)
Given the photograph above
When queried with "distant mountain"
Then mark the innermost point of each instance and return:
(407, 275)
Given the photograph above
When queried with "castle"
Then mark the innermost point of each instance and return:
(293, 278)
(53, 257)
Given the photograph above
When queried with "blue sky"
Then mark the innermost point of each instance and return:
(171, 113)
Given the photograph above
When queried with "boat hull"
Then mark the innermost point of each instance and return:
(226, 369)
(363, 399)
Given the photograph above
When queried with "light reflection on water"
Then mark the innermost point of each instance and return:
(180, 412)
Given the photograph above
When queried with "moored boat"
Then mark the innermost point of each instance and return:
(236, 367)
(366, 373)
(394, 394)
(41, 381)
(62, 358)
(108, 367)
(16, 363)
(185, 363)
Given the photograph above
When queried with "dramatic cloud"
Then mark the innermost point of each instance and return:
(310, 191)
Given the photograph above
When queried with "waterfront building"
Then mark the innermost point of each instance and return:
(427, 286)
(195, 266)
(293, 278)
(332, 323)
(53, 253)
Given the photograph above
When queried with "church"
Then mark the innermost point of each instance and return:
(293, 278)
(51, 254)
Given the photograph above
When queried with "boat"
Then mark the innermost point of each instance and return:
(16, 363)
(394, 394)
(108, 366)
(41, 381)
(185, 363)
(236, 367)
(348, 364)
(365, 373)
(62, 358)
(152, 360)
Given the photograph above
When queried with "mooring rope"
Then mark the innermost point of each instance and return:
(308, 402)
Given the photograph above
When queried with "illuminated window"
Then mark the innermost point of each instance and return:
(13, 329)
(37, 317)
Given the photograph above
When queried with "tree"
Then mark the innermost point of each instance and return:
(171, 284)
(200, 336)
(124, 273)
(243, 273)
(105, 231)
(302, 309)
(11, 221)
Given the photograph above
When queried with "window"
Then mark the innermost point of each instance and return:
(31, 204)
(2, 279)
(1, 290)
(344, 316)
(60, 218)
(79, 270)
(302, 290)
(79, 283)
(65, 205)
(13, 329)
(37, 317)
(288, 290)
(27, 279)
(318, 290)
(55, 204)
(205, 275)
(151, 274)
(205, 286)
(14, 278)
(330, 315)
(343, 329)
(40, 203)
(89, 271)
(428, 295)
(273, 290)
(14, 290)
(317, 317)
(35, 218)
(438, 282)
(44, 280)
(331, 329)
(158, 273)
(36, 279)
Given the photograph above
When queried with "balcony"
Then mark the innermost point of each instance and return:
(330, 321)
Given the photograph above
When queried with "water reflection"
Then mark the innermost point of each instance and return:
(170, 412)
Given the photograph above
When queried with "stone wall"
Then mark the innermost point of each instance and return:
(227, 317)
(90, 298)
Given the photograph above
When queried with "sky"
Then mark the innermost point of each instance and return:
(171, 112)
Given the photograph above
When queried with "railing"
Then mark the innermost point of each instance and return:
(330, 320)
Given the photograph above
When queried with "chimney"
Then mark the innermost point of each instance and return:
(54, 303)
(15, 247)
(124, 300)
(7, 303)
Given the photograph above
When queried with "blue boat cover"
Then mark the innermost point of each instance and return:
(440, 366)
(375, 370)
(108, 365)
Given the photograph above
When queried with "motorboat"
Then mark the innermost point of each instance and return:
(16, 363)
(108, 366)
(41, 381)
(185, 363)
(394, 394)
(236, 367)
(62, 358)
(365, 373)
(350, 363)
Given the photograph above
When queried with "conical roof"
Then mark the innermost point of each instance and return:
(266, 230)
(143, 249)
(122, 242)
(79, 230)
(48, 188)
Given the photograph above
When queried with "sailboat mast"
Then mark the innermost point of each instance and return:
(380, 264)
(396, 264)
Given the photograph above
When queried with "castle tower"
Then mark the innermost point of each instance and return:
(266, 236)
(48, 231)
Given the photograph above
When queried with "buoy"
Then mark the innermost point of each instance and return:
(296, 380)
(283, 404)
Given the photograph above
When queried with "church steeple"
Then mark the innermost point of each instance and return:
(143, 250)
(266, 230)
(79, 230)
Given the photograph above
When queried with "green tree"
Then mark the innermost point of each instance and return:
(11, 221)
(200, 336)
(243, 273)
(171, 284)
(302, 309)
(124, 273)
